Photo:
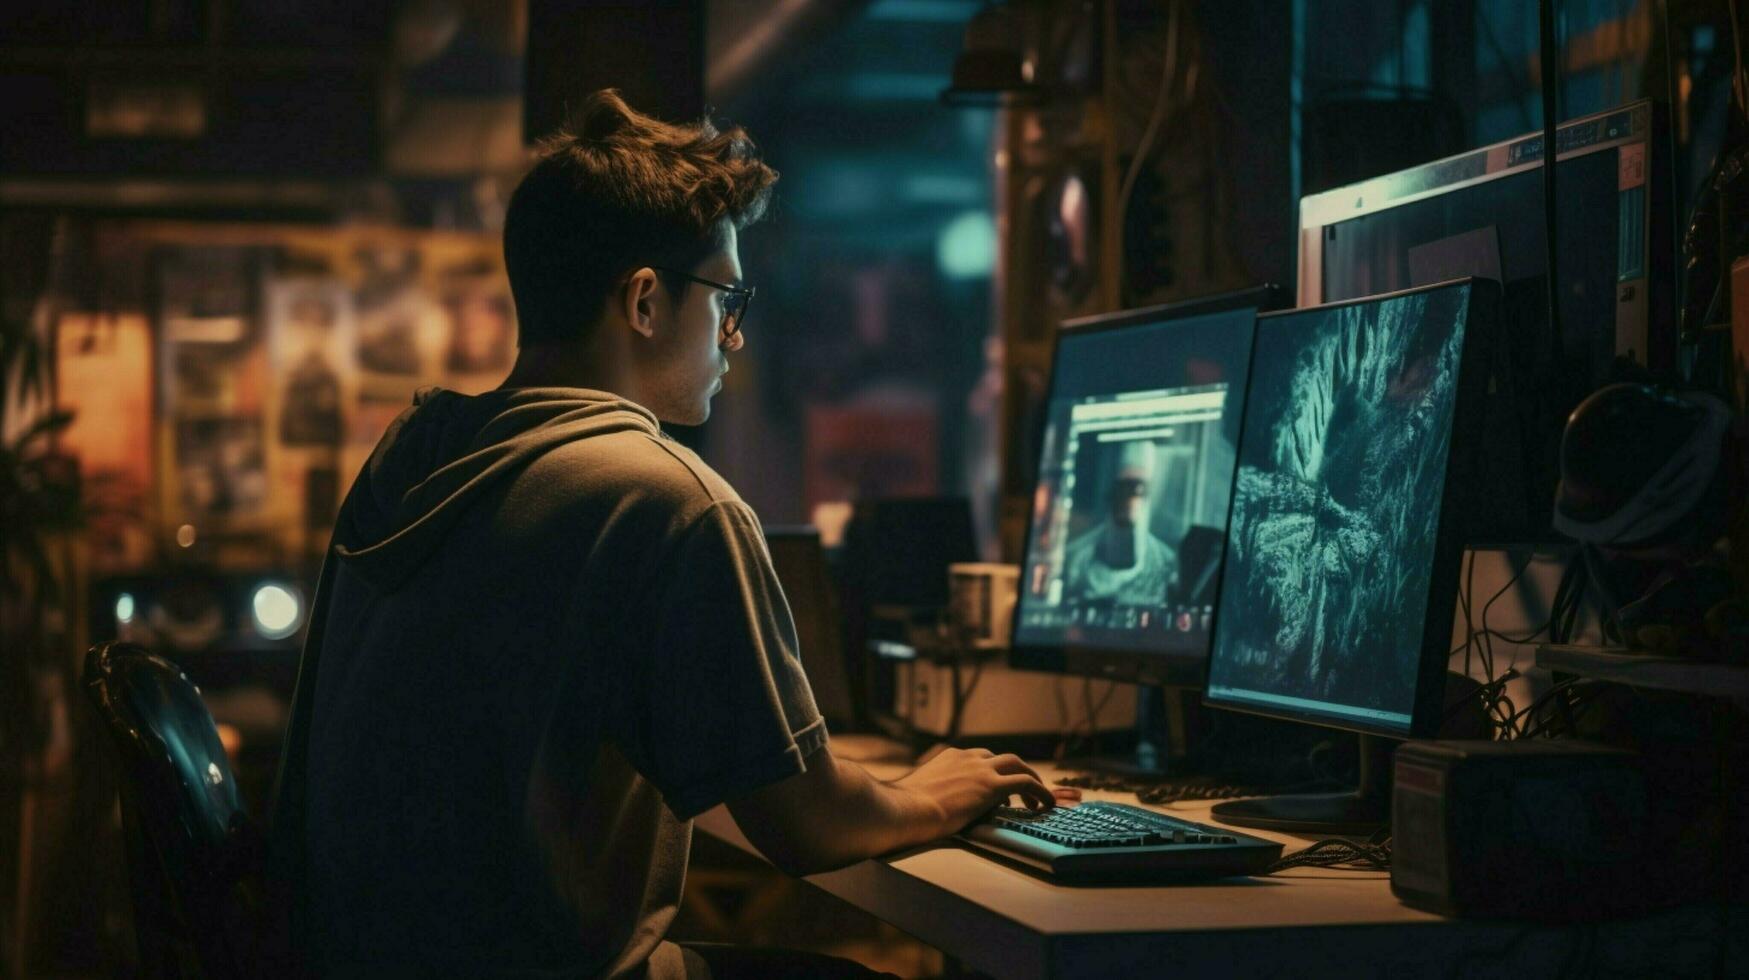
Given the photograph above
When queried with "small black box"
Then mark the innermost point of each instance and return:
(1536, 829)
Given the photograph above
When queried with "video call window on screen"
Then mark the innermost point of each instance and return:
(1135, 473)
(1133, 477)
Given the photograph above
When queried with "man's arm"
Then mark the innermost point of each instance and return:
(836, 814)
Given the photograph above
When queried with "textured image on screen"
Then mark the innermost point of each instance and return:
(1336, 509)
(1134, 479)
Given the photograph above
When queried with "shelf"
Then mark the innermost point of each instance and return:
(1646, 670)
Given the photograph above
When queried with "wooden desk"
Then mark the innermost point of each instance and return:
(1010, 923)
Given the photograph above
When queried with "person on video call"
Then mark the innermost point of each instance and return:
(1119, 560)
(548, 636)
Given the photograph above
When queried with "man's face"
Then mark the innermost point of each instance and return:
(1129, 494)
(688, 359)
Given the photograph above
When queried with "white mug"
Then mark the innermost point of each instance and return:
(981, 599)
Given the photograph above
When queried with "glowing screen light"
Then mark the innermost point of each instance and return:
(967, 246)
(277, 611)
(124, 607)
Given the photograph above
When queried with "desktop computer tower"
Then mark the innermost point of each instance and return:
(1535, 829)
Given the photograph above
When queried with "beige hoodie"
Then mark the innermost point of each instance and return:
(548, 636)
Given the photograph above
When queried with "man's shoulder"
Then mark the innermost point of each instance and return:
(632, 462)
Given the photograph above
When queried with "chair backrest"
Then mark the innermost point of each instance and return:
(195, 860)
(800, 564)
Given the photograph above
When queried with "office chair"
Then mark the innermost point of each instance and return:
(195, 859)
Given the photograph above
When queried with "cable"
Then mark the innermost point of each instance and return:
(1063, 716)
(1506, 64)
(1493, 697)
(961, 697)
(1739, 90)
(1551, 67)
(1088, 730)
(1611, 605)
(1569, 599)
(1674, 189)
(1497, 704)
(1342, 854)
(1162, 99)
(1571, 697)
(1469, 625)
(1093, 714)
(1485, 650)
(1486, 636)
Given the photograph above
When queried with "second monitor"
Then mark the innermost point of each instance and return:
(1362, 469)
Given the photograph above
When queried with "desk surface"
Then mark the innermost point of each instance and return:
(1009, 922)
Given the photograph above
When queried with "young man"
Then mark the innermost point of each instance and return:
(550, 636)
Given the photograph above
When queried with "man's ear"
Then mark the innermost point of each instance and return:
(638, 296)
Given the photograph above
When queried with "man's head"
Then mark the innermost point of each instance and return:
(1129, 489)
(599, 236)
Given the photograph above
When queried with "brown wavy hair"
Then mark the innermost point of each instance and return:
(614, 190)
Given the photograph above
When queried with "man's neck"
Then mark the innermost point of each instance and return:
(1117, 547)
(569, 366)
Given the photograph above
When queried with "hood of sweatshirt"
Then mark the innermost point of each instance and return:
(441, 454)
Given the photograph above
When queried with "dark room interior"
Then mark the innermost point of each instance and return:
(874, 488)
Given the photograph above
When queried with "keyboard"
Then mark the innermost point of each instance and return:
(1099, 843)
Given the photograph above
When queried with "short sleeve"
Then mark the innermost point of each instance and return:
(718, 705)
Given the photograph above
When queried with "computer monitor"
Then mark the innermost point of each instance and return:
(1481, 214)
(1364, 438)
(1135, 468)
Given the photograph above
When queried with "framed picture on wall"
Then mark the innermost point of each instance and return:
(482, 333)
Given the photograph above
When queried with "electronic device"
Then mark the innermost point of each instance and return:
(893, 574)
(1109, 843)
(1363, 459)
(800, 563)
(1135, 468)
(897, 550)
(994, 701)
(1265, 297)
(1533, 828)
(1480, 214)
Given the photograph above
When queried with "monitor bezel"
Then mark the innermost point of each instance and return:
(1639, 325)
(1109, 663)
(1459, 506)
(1264, 298)
(1376, 194)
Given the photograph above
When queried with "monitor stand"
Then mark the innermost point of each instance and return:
(1150, 762)
(1362, 811)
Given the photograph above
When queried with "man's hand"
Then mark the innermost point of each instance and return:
(834, 813)
(957, 786)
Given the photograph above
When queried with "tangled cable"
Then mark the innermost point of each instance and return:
(1342, 854)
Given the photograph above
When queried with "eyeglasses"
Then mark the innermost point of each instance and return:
(736, 299)
(1129, 486)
